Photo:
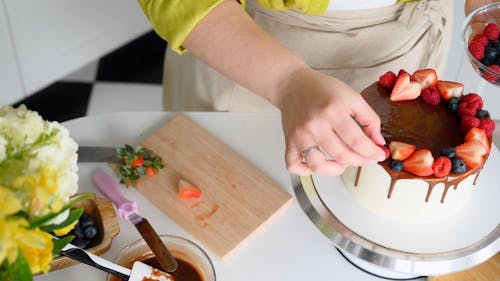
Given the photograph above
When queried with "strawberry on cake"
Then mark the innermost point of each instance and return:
(438, 141)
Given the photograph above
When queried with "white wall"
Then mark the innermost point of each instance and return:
(52, 38)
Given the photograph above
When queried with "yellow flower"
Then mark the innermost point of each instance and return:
(9, 230)
(10, 204)
(35, 244)
(37, 249)
(41, 189)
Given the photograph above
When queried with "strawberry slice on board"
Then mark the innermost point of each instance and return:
(405, 89)
(187, 190)
(401, 150)
(479, 135)
(472, 152)
(425, 77)
(449, 89)
(420, 163)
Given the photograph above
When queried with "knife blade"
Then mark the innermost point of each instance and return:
(97, 154)
(128, 210)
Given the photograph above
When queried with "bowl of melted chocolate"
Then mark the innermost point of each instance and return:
(193, 262)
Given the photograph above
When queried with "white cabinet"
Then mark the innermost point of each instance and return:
(10, 81)
(55, 37)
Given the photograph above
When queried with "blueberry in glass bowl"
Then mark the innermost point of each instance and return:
(481, 41)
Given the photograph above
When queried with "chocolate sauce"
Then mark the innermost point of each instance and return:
(185, 270)
(421, 124)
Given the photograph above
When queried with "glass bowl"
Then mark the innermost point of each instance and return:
(474, 24)
(187, 253)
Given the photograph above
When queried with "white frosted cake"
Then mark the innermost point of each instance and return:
(438, 140)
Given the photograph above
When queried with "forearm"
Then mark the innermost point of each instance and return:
(230, 41)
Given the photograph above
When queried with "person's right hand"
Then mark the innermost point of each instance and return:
(320, 110)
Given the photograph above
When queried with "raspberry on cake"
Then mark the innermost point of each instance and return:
(437, 148)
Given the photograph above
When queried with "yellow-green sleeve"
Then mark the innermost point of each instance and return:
(173, 20)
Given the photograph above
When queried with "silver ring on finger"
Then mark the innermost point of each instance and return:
(309, 150)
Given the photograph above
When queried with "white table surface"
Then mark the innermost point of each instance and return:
(289, 247)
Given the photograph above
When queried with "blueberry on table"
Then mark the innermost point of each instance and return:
(90, 231)
(78, 231)
(86, 220)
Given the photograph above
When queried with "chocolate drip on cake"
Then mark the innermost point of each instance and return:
(448, 182)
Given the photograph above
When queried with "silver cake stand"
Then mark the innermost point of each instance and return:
(382, 260)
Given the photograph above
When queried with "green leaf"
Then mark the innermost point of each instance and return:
(38, 222)
(20, 269)
(73, 216)
(60, 243)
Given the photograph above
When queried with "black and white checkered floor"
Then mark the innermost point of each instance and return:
(128, 79)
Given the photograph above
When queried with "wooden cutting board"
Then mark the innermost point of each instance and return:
(236, 199)
(487, 271)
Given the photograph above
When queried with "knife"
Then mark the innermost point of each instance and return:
(97, 154)
(128, 210)
(139, 272)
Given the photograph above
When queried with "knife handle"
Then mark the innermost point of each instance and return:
(109, 188)
(79, 254)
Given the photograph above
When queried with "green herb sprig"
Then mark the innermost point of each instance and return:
(137, 162)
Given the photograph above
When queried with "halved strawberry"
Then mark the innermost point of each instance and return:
(479, 135)
(450, 89)
(404, 89)
(420, 163)
(401, 150)
(425, 77)
(187, 190)
(472, 153)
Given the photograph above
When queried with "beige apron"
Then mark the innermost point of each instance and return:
(354, 46)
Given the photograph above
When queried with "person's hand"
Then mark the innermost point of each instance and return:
(319, 110)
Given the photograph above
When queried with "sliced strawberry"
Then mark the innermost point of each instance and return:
(425, 77)
(472, 153)
(420, 163)
(450, 89)
(479, 135)
(402, 71)
(404, 89)
(187, 190)
(442, 166)
(401, 150)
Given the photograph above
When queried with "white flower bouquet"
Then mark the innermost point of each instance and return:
(38, 176)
